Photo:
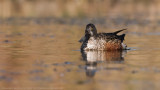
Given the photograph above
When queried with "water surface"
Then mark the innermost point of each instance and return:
(48, 57)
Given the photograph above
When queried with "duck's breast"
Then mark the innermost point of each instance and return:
(96, 44)
(91, 44)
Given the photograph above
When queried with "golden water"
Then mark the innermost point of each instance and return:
(48, 57)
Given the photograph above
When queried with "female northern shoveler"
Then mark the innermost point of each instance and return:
(101, 41)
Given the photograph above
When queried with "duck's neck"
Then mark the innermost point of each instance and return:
(87, 36)
(94, 35)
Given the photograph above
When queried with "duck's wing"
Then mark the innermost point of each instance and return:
(112, 36)
(113, 33)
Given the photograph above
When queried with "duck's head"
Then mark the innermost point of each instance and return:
(91, 30)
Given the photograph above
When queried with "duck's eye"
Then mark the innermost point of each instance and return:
(91, 28)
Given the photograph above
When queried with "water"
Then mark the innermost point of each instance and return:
(48, 57)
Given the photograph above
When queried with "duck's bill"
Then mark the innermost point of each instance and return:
(82, 39)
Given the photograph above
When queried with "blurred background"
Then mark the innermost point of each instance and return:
(39, 46)
(132, 9)
(121, 12)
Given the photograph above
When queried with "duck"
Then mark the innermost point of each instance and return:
(102, 41)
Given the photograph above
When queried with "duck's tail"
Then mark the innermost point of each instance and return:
(116, 32)
(121, 37)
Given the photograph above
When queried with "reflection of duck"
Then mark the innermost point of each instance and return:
(101, 41)
(92, 57)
